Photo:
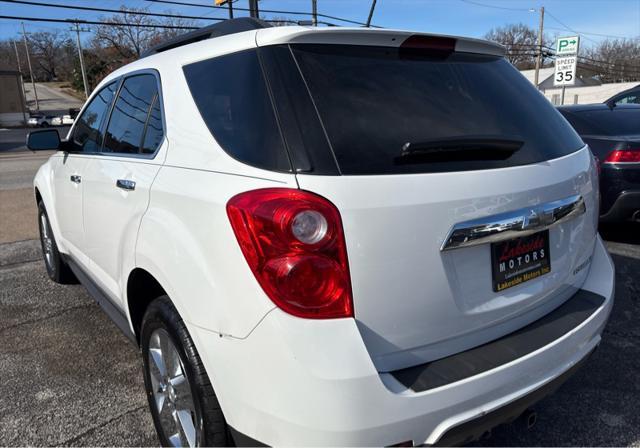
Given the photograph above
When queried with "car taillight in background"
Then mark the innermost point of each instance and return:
(623, 156)
(294, 244)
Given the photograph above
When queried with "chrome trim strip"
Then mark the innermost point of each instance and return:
(522, 222)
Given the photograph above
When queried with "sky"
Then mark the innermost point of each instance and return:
(595, 20)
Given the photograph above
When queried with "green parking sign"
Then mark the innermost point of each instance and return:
(567, 45)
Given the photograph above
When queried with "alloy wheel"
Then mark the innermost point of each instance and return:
(47, 240)
(171, 391)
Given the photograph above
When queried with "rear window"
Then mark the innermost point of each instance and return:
(374, 100)
(616, 122)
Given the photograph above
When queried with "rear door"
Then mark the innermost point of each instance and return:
(117, 180)
(426, 142)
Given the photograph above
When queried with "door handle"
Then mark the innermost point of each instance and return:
(126, 184)
(76, 179)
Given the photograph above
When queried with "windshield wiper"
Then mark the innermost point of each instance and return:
(459, 149)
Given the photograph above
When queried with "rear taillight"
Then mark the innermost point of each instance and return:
(623, 156)
(294, 244)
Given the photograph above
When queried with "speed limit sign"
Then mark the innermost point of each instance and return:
(565, 74)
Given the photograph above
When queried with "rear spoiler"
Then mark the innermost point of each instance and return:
(369, 36)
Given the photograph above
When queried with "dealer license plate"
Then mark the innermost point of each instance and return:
(519, 260)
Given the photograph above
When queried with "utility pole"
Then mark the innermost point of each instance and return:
(373, 6)
(314, 12)
(228, 2)
(253, 9)
(33, 84)
(81, 56)
(539, 57)
(15, 47)
(24, 95)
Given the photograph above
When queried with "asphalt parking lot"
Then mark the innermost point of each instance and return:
(70, 378)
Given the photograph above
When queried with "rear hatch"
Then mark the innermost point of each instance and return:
(413, 142)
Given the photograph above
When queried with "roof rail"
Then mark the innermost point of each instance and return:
(230, 26)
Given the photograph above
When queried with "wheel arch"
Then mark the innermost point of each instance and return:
(37, 195)
(142, 289)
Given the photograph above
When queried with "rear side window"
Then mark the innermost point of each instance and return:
(605, 121)
(87, 136)
(231, 95)
(131, 112)
(632, 98)
(373, 101)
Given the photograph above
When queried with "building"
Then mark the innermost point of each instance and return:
(585, 91)
(13, 108)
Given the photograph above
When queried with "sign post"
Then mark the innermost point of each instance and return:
(566, 62)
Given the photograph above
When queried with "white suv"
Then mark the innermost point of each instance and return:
(331, 236)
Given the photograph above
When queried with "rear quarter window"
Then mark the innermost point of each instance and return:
(231, 95)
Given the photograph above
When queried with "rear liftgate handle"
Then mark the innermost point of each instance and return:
(513, 224)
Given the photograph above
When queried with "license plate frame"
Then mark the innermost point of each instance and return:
(518, 260)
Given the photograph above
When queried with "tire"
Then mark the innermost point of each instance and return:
(57, 269)
(170, 405)
(44, 124)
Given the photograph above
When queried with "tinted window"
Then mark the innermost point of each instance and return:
(154, 133)
(231, 95)
(632, 98)
(87, 134)
(130, 112)
(374, 100)
(613, 122)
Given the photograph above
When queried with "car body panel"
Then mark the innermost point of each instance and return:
(414, 303)
(356, 404)
(616, 179)
(112, 215)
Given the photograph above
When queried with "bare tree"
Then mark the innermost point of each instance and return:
(48, 49)
(130, 41)
(613, 60)
(521, 42)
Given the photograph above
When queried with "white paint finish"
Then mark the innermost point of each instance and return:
(414, 303)
(186, 236)
(364, 36)
(67, 198)
(112, 216)
(299, 382)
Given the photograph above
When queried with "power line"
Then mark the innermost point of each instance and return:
(594, 34)
(125, 24)
(115, 11)
(471, 2)
(270, 11)
(568, 27)
(96, 22)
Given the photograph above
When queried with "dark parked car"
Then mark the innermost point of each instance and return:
(629, 96)
(613, 134)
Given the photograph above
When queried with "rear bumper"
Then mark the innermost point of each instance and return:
(299, 382)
